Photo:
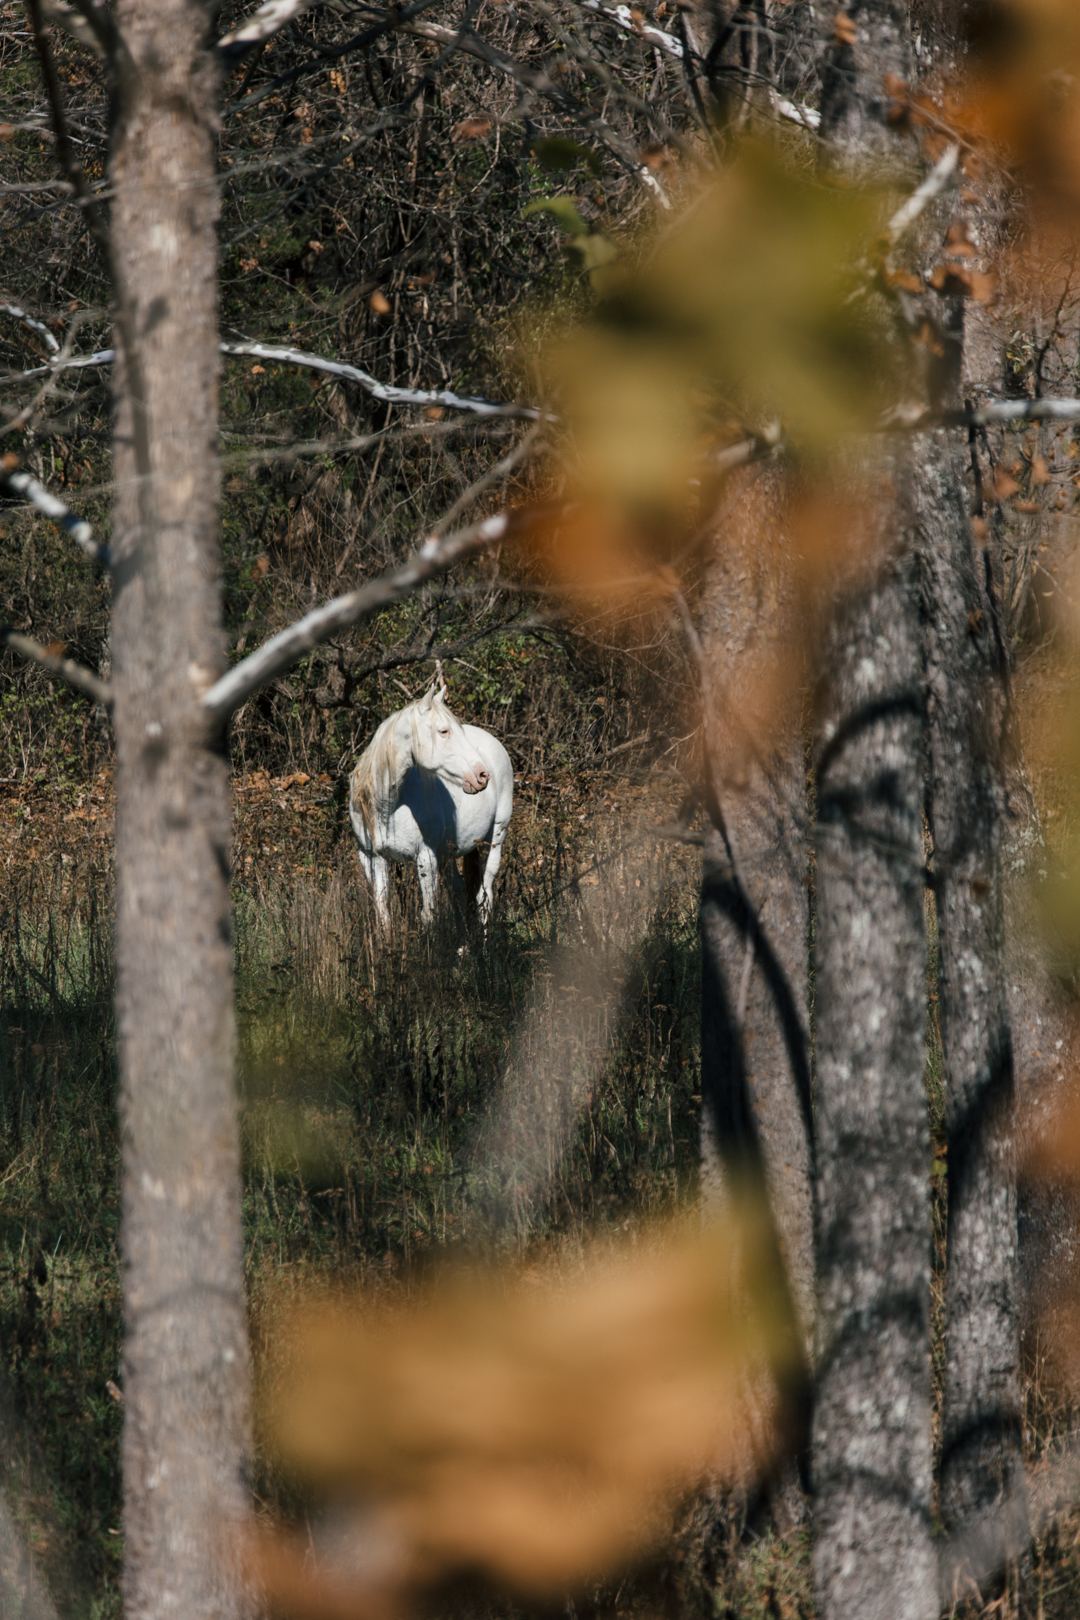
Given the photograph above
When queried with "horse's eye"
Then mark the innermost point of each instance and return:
(444, 731)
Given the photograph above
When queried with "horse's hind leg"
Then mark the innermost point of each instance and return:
(470, 873)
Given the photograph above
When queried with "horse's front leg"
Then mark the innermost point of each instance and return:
(486, 898)
(427, 870)
(377, 872)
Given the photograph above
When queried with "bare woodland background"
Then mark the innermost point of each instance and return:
(780, 635)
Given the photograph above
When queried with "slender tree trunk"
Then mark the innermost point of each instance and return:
(874, 1554)
(872, 1464)
(185, 1349)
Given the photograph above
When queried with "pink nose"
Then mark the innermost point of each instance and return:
(476, 781)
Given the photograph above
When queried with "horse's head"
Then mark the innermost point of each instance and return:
(440, 744)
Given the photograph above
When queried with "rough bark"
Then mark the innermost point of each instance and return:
(185, 1349)
(981, 1479)
(856, 136)
(1042, 1009)
(874, 1554)
(755, 924)
(757, 1127)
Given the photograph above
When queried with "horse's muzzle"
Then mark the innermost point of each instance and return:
(476, 781)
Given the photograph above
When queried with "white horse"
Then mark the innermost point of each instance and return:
(427, 788)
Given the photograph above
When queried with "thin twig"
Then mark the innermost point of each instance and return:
(502, 469)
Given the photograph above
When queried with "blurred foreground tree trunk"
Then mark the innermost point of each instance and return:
(872, 1463)
(185, 1348)
(757, 1125)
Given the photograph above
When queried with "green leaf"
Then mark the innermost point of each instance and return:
(559, 152)
(564, 211)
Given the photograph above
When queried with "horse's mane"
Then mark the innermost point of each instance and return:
(380, 762)
(377, 766)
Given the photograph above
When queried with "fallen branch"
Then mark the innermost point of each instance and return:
(84, 680)
(623, 18)
(282, 651)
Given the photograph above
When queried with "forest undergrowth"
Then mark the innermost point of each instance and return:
(378, 1083)
(406, 1104)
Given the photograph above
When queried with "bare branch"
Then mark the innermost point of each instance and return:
(934, 184)
(912, 419)
(260, 25)
(335, 368)
(20, 314)
(793, 112)
(126, 79)
(21, 418)
(37, 185)
(282, 651)
(79, 362)
(382, 391)
(78, 528)
(84, 680)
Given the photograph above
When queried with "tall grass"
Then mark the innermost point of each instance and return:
(402, 1099)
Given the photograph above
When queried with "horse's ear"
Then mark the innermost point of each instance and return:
(427, 700)
(441, 694)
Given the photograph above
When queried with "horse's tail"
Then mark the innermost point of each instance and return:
(362, 795)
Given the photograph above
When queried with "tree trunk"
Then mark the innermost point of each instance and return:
(185, 1349)
(872, 1465)
(982, 1498)
(757, 1127)
(874, 1554)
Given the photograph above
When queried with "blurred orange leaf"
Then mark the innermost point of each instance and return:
(470, 129)
(1004, 484)
(533, 1433)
